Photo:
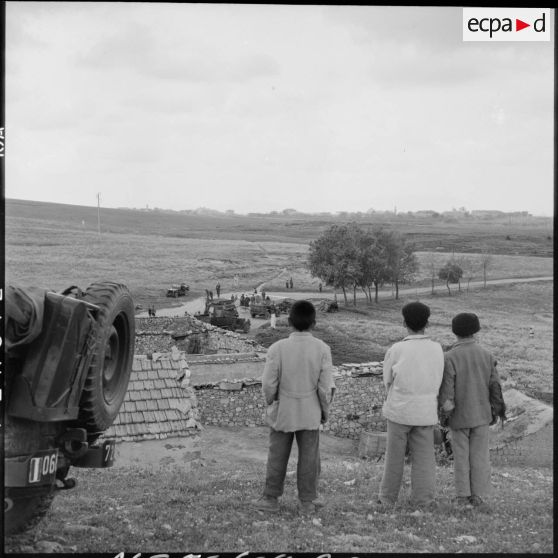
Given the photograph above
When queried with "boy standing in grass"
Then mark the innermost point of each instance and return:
(413, 371)
(297, 373)
(471, 395)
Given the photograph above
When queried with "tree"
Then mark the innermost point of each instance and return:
(450, 273)
(431, 261)
(373, 264)
(401, 262)
(347, 256)
(469, 266)
(333, 257)
(398, 263)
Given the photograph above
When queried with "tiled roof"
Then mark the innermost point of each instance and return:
(159, 402)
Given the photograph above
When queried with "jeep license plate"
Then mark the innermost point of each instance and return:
(97, 456)
(108, 450)
(42, 467)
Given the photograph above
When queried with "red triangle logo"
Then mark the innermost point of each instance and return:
(519, 25)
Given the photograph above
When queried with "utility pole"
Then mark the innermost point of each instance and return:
(99, 212)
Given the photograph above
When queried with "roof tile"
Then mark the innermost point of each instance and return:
(141, 405)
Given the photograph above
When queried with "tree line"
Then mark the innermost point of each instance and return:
(350, 258)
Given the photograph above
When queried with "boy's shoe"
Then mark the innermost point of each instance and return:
(319, 502)
(428, 506)
(307, 507)
(478, 503)
(463, 501)
(382, 505)
(266, 503)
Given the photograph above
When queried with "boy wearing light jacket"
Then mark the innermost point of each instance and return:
(297, 373)
(413, 370)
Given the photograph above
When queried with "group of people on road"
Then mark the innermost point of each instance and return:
(459, 389)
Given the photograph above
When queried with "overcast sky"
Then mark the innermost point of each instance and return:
(262, 108)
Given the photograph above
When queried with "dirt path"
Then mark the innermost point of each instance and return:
(408, 291)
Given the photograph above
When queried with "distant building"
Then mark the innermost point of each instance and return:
(487, 213)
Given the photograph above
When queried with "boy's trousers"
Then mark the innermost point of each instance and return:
(423, 462)
(308, 466)
(471, 460)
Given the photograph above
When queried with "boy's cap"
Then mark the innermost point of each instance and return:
(465, 324)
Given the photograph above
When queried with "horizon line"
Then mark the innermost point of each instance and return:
(292, 211)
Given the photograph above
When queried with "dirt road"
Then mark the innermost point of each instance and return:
(198, 304)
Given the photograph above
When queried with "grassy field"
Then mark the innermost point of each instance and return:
(507, 235)
(207, 510)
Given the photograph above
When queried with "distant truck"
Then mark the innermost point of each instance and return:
(177, 290)
(260, 309)
(223, 314)
(265, 309)
(68, 361)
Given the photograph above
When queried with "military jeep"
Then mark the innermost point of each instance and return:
(68, 361)
(177, 290)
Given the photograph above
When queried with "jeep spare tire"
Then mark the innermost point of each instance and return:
(111, 364)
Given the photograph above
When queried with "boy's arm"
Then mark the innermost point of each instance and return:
(326, 385)
(388, 370)
(497, 404)
(446, 395)
(270, 377)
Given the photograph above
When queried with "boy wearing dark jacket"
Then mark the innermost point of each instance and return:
(471, 399)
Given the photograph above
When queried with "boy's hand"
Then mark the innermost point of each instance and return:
(495, 420)
(448, 406)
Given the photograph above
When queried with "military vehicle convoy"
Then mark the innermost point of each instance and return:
(68, 361)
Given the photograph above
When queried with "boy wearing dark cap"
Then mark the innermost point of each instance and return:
(412, 375)
(470, 399)
(297, 373)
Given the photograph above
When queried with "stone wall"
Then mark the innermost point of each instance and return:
(231, 404)
(357, 404)
(192, 336)
(527, 437)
